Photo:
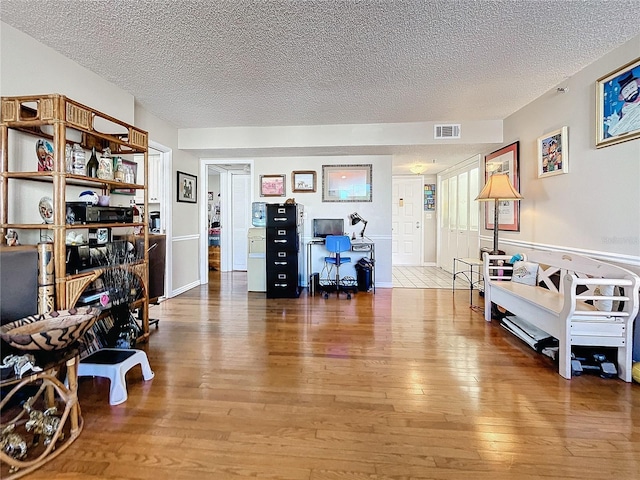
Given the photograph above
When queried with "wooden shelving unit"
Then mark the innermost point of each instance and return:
(28, 114)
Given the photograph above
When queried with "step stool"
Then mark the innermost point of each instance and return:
(114, 363)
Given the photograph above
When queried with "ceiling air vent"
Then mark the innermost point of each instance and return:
(446, 131)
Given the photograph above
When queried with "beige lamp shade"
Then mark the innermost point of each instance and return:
(498, 187)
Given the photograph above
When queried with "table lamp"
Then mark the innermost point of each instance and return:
(497, 188)
(355, 219)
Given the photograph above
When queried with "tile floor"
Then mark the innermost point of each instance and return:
(424, 277)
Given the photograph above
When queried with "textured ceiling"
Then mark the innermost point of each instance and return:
(262, 62)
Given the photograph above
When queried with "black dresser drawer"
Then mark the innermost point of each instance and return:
(282, 239)
(283, 290)
(276, 276)
(281, 215)
(281, 263)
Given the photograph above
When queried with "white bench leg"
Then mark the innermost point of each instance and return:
(625, 363)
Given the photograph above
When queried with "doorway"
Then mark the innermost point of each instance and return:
(235, 197)
(160, 160)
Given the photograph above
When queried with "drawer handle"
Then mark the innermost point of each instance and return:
(280, 284)
(279, 241)
(280, 219)
(280, 263)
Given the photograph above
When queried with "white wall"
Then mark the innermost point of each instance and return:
(414, 133)
(28, 67)
(595, 207)
(377, 213)
(185, 232)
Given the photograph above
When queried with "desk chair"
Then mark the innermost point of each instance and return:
(336, 244)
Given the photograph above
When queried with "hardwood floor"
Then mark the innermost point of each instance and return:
(406, 384)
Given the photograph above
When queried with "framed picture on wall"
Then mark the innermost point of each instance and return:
(553, 153)
(187, 188)
(504, 160)
(618, 105)
(272, 186)
(346, 183)
(303, 181)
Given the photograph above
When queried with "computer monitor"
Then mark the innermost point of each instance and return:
(327, 226)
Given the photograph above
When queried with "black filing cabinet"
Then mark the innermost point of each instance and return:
(284, 224)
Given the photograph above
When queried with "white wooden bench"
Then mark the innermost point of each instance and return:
(560, 307)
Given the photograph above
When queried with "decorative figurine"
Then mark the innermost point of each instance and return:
(21, 364)
(13, 444)
(42, 423)
(11, 237)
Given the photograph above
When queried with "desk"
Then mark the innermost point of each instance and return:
(471, 271)
(365, 247)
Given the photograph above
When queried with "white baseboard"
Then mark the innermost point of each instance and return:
(185, 288)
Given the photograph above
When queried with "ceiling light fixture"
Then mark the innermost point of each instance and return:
(418, 168)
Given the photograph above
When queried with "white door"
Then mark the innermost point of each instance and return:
(406, 220)
(451, 235)
(240, 218)
(443, 232)
(462, 246)
(459, 220)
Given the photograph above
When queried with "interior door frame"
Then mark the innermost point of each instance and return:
(226, 237)
(166, 211)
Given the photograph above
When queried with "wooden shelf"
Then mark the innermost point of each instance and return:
(62, 116)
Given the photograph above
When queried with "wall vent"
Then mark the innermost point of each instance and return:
(446, 131)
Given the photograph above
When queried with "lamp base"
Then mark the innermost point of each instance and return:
(496, 252)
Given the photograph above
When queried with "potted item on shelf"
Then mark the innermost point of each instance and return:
(124, 287)
(105, 165)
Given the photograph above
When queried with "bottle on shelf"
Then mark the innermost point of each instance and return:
(68, 157)
(92, 164)
(128, 175)
(118, 175)
(105, 165)
(137, 217)
(78, 160)
(136, 211)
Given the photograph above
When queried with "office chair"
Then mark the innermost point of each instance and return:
(336, 244)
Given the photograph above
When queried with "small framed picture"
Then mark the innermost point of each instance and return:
(187, 188)
(553, 153)
(303, 181)
(272, 185)
(618, 105)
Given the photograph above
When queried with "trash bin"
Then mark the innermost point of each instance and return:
(364, 270)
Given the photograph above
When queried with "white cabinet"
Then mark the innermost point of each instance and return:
(154, 180)
(154, 187)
